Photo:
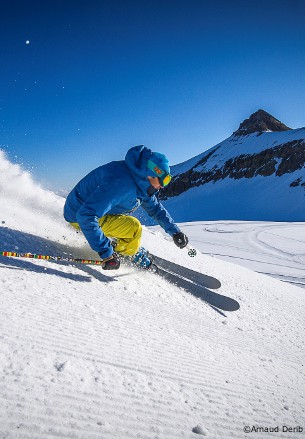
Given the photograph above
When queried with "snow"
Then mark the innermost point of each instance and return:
(249, 199)
(260, 198)
(91, 354)
(235, 146)
(273, 248)
(252, 144)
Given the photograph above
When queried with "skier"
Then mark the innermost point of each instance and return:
(101, 203)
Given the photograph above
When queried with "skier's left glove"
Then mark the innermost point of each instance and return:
(180, 239)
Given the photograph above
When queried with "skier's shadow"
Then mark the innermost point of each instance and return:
(10, 239)
(17, 264)
(217, 301)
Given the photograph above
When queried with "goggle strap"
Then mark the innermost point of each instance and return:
(153, 167)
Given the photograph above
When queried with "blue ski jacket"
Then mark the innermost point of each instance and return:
(118, 187)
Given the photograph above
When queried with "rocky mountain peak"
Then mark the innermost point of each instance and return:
(258, 122)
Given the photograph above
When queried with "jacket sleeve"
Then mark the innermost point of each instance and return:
(155, 210)
(96, 206)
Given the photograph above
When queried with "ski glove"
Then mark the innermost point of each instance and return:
(112, 263)
(180, 239)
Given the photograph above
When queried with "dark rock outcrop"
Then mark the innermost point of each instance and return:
(258, 122)
(277, 161)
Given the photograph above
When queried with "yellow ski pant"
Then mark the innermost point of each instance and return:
(126, 229)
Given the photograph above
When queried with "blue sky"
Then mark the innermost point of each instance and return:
(98, 77)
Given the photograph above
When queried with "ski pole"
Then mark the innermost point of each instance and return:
(51, 258)
(191, 252)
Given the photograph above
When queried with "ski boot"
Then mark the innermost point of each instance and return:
(142, 259)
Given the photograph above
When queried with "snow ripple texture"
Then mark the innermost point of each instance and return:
(86, 354)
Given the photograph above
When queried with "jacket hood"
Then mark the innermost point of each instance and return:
(136, 161)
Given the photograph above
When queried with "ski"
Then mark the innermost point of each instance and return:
(198, 284)
(146, 260)
(192, 275)
(162, 266)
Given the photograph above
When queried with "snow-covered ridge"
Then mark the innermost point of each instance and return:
(253, 144)
(235, 146)
(258, 176)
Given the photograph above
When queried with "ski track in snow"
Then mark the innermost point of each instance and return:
(276, 249)
(88, 354)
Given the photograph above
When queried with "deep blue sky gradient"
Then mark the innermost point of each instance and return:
(178, 76)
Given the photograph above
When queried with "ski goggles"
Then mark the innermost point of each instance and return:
(164, 178)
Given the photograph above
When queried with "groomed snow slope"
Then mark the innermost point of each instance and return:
(92, 354)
